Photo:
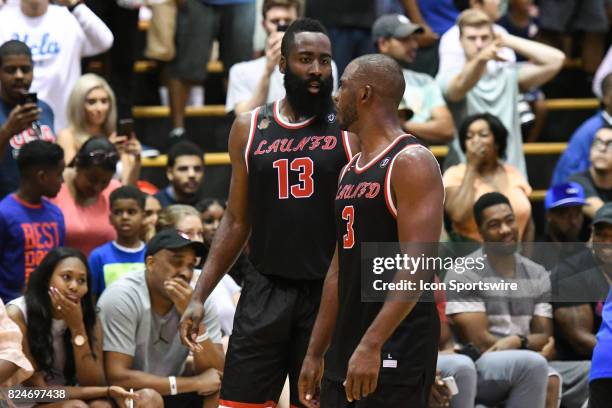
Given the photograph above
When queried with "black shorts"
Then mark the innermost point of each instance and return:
(600, 391)
(272, 327)
(187, 400)
(385, 396)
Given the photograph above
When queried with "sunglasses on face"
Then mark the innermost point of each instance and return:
(99, 157)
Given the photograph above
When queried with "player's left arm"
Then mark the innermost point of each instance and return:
(418, 194)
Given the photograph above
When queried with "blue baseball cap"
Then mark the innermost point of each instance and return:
(564, 195)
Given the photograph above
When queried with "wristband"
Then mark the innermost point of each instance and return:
(173, 388)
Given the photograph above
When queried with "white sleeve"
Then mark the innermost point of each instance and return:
(211, 321)
(98, 37)
(543, 309)
(238, 87)
(464, 307)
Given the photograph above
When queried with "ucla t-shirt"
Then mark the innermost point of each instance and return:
(9, 174)
(27, 233)
(111, 261)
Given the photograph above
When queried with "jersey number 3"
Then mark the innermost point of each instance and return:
(348, 239)
(305, 187)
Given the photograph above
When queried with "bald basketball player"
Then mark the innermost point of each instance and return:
(382, 353)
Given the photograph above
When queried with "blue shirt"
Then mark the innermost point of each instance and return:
(439, 14)
(601, 365)
(575, 159)
(27, 233)
(9, 174)
(111, 261)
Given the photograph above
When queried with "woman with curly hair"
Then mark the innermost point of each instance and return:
(62, 336)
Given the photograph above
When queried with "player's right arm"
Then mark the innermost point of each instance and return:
(231, 236)
(320, 339)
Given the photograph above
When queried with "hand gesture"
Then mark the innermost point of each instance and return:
(21, 118)
(362, 374)
(440, 394)
(68, 310)
(180, 292)
(273, 50)
(119, 142)
(309, 384)
(491, 51)
(190, 324)
(506, 343)
(208, 382)
(133, 147)
(427, 37)
(121, 395)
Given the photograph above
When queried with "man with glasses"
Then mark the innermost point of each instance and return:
(597, 180)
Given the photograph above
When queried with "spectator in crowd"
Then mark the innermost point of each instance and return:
(30, 225)
(451, 52)
(62, 334)
(431, 120)
(519, 21)
(22, 119)
(92, 111)
(259, 81)
(152, 210)
(604, 69)
(14, 365)
(186, 219)
(59, 34)
(231, 21)
(348, 23)
(564, 220)
(436, 17)
(185, 172)
(125, 254)
(472, 89)
(597, 180)
(84, 196)
(582, 283)
(140, 316)
(511, 328)
(601, 373)
(575, 158)
(121, 17)
(561, 18)
(483, 138)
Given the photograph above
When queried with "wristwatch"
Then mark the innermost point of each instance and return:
(74, 4)
(79, 340)
(524, 342)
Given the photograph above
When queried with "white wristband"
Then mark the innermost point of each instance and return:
(173, 388)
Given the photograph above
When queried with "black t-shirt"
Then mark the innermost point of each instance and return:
(590, 189)
(578, 280)
(549, 255)
(343, 13)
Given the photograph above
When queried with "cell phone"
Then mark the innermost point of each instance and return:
(451, 384)
(30, 97)
(126, 128)
(282, 27)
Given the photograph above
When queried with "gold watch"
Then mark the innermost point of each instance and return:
(79, 340)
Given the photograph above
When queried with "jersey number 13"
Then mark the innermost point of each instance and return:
(305, 167)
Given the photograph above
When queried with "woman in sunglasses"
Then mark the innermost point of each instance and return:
(84, 196)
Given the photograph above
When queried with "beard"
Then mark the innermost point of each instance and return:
(302, 101)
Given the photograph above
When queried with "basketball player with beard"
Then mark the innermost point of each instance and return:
(383, 354)
(286, 157)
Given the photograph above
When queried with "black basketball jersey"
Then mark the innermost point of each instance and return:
(293, 173)
(365, 212)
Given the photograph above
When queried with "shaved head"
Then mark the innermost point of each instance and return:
(383, 74)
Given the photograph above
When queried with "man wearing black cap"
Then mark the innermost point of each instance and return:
(425, 113)
(140, 316)
(583, 282)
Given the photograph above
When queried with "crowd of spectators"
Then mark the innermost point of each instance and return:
(96, 268)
